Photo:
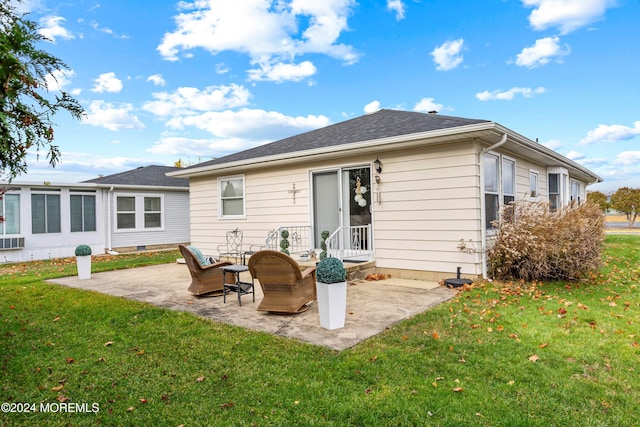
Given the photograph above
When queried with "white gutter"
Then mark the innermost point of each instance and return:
(483, 212)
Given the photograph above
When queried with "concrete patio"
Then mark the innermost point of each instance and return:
(372, 306)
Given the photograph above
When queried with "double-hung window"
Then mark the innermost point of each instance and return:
(554, 191)
(533, 183)
(45, 213)
(139, 212)
(83, 212)
(10, 212)
(152, 212)
(231, 197)
(491, 190)
(575, 191)
(499, 187)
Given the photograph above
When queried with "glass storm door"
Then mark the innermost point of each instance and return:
(326, 204)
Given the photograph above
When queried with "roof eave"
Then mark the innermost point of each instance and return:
(395, 142)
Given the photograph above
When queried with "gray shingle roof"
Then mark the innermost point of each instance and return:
(381, 124)
(145, 175)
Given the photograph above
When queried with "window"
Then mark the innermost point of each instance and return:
(231, 192)
(83, 212)
(575, 191)
(10, 211)
(554, 191)
(152, 212)
(499, 187)
(126, 212)
(139, 212)
(533, 183)
(45, 213)
(491, 194)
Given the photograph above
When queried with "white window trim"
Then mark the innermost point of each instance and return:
(500, 192)
(244, 198)
(95, 219)
(571, 184)
(47, 192)
(535, 192)
(3, 211)
(139, 213)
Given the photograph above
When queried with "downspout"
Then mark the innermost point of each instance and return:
(483, 212)
(109, 218)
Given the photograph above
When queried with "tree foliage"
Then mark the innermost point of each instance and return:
(627, 201)
(600, 199)
(26, 106)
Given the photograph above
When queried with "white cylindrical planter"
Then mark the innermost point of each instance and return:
(84, 267)
(332, 304)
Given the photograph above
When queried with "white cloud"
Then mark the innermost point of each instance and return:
(190, 100)
(567, 15)
(541, 52)
(629, 158)
(156, 79)
(269, 31)
(426, 105)
(107, 82)
(59, 79)
(50, 28)
(574, 155)
(283, 72)
(372, 107)
(508, 95)
(112, 117)
(255, 125)
(611, 133)
(221, 68)
(107, 30)
(448, 56)
(552, 144)
(396, 6)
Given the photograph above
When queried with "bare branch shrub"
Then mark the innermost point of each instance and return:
(537, 244)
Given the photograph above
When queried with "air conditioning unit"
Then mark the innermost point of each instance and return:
(7, 243)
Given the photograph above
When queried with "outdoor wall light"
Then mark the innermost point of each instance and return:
(377, 177)
(377, 165)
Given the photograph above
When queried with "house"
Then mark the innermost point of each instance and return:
(133, 210)
(399, 188)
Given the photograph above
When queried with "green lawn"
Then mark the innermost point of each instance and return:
(515, 354)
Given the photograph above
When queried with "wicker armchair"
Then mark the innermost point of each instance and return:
(205, 279)
(286, 288)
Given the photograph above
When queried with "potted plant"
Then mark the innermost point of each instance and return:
(83, 261)
(331, 288)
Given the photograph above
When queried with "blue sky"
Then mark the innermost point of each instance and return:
(193, 80)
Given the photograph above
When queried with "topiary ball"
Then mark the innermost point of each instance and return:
(331, 270)
(83, 250)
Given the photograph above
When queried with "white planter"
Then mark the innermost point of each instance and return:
(84, 267)
(332, 304)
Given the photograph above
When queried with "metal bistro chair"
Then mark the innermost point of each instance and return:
(233, 247)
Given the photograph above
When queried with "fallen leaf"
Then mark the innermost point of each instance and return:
(534, 358)
(108, 343)
(458, 389)
(62, 398)
(199, 379)
(58, 388)
(130, 409)
(435, 336)
(143, 401)
(512, 382)
(70, 360)
(543, 345)
(56, 318)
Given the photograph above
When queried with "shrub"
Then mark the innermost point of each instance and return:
(331, 270)
(284, 242)
(541, 245)
(323, 244)
(83, 250)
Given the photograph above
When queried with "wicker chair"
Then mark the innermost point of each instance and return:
(205, 279)
(286, 288)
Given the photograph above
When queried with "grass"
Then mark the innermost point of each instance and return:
(516, 354)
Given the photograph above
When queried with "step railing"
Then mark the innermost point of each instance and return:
(299, 239)
(352, 242)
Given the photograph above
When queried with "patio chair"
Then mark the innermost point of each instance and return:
(206, 278)
(286, 288)
(233, 246)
